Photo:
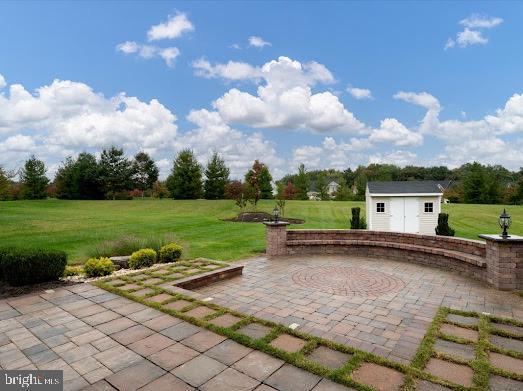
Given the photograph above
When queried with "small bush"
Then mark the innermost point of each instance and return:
(71, 270)
(170, 253)
(28, 266)
(357, 222)
(128, 244)
(97, 267)
(142, 258)
(443, 228)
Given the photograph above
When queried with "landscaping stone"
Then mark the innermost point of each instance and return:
(200, 312)
(177, 305)
(379, 377)
(143, 292)
(203, 340)
(199, 370)
(288, 343)
(465, 352)
(230, 380)
(181, 331)
(167, 382)
(226, 320)
(122, 261)
(423, 385)
(290, 378)
(151, 344)
(507, 343)
(132, 334)
(228, 352)
(135, 376)
(507, 363)
(465, 320)
(328, 357)
(516, 330)
(159, 298)
(328, 385)
(499, 383)
(254, 330)
(455, 373)
(258, 365)
(173, 356)
(460, 332)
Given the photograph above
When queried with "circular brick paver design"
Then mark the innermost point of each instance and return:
(348, 281)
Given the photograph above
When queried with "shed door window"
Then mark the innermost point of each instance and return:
(380, 207)
(429, 207)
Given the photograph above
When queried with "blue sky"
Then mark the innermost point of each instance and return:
(327, 84)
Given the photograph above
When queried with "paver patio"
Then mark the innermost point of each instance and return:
(391, 323)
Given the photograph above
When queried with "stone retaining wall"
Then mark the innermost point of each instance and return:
(498, 262)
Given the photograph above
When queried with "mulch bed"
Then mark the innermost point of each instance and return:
(260, 217)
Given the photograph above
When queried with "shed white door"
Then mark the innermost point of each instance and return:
(404, 214)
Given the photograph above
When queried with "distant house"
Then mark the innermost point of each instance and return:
(314, 194)
(409, 206)
(332, 188)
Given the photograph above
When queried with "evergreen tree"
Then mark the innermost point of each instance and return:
(321, 188)
(115, 172)
(145, 172)
(88, 178)
(185, 180)
(65, 180)
(216, 177)
(34, 181)
(474, 184)
(301, 183)
(4, 185)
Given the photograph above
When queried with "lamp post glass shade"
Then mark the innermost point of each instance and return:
(276, 214)
(504, 223)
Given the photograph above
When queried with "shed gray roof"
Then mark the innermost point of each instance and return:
(405, 187)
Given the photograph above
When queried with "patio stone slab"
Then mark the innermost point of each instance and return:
(129, 287)
(258, 365)
(181, 331)
(230, 380)
(328, 357)
(118, 358)
(290, 378)
(254, 330)
(143, 292)
(460, 332)
(115, 325)
(101, 385)
(455, 373)
(288, 343)
(162, 322)
(101, 317)
(507, 363)
(135, 376)
(379, 377)
(507, 343)
(144, 315)
(203, 340)
(200, 312)
(159, 298)
(151, 344)
(424, 385)
(167, 382)
(177, 305)
(499, 383)
(173, 356)
(465, 320)
(199, 370)
(226, 320)
(132, 334)
(228, 352)
(328, 385)
(152, 281)
(516, 330)
(465, 352)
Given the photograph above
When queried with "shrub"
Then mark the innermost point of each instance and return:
(97, 267)
(28, 266)
(170, 252)
(357, 222)
(443, 228)
(142, 258)
(71, 270)
(128, 244)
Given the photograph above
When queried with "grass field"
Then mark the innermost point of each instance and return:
(77, 226)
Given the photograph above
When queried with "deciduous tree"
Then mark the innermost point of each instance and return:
(145, 172)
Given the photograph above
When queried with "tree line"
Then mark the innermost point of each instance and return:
(115, 176)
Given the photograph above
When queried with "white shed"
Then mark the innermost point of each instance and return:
(409, 206)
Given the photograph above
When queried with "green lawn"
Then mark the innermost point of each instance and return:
(77, 226)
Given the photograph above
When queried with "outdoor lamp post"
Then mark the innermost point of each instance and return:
(504, 223)
(276, 214)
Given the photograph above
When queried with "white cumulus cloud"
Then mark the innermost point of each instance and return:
(258, 42)
(359, 93)
(472, 34)
(168, 54)
(174, 27)
(232, 70)
(2, 81)
(481, 21)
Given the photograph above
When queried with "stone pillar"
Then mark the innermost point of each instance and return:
(504, 258)
(276, 238)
